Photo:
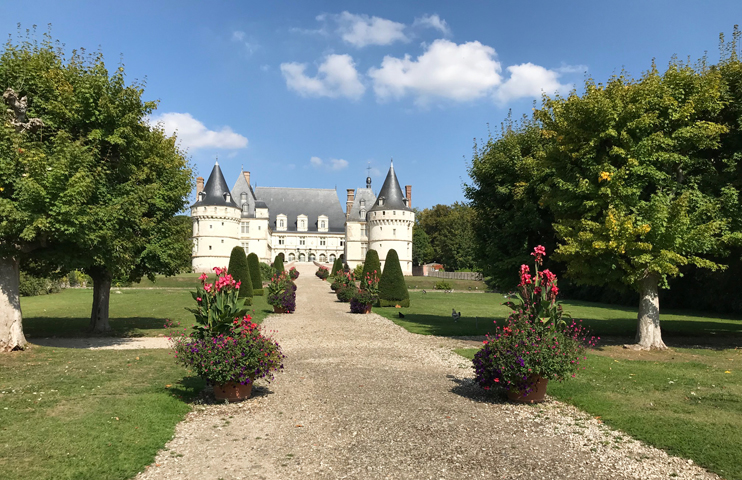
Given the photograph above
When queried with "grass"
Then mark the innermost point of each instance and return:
(430, 314)
(682, 401)
(133, 312)
(73, 414)
(183, 280)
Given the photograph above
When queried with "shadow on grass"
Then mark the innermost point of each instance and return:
(37, 327)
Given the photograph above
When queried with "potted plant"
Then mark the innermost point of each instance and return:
(536, 344)
(346, 289)
(282, 293)
(225, 347)
(362, 301)
(322, 273)
(293, 273)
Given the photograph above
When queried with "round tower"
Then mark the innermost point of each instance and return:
(216, 223)
(390, 222)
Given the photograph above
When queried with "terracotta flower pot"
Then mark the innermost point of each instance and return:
(368, 308)
(234, 392)
(277, 309)
(536, 395)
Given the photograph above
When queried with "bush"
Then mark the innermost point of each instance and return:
(293, 273)
(240, 271)
(322, 273)
(371, 265)
(358, 271)
(282, 292)
(345, 292)
(278, 264)
(361, 299)
(253, 264)
(392, 287)
(258, 292)
(266, 271)
(78, 279)
(443, 285)
(31, 286)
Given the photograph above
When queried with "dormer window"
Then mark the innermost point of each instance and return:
(201, 196)
(363, 213)
(227, 197)
(281, 222)
(301, 223)
(362, 203)
(323, 223)
(381, 201)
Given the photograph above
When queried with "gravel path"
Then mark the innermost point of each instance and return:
(103, 343)
(362, 398)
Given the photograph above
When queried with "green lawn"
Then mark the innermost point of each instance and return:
(77, 414)
(183, 280)
(430, 314)
(133, 312)
(681, 401)
(428, 283)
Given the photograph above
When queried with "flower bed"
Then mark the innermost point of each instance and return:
(282, 292)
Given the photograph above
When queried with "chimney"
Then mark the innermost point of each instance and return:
(247, 177)
(349, 202)
(199, 185)
(408, 193)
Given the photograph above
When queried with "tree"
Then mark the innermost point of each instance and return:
(253, 263)
(240, 271)
(632, 163)
(451, 236)
(370, 265)
(508, 179)
(278, 264)
(85, 181)
(422, 250)
(392, 287)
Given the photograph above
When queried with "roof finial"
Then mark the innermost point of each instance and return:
(392, 161)
(217, 160)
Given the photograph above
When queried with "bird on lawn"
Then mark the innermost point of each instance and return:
(400, 314)
(455, 315)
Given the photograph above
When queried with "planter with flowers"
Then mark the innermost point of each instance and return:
(366, 296)
(293, 273)
(536, 344)
(282, 293)
(322, 273)
(347, 287)
(225, 347)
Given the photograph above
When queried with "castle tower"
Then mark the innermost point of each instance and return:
(216, 224)
(390, 222)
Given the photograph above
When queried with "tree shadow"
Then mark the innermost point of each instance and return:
(39, 327)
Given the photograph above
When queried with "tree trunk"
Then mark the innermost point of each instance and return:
(101, 300)
(11, 326)
(648, 334)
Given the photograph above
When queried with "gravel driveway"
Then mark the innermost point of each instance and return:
(362, 398)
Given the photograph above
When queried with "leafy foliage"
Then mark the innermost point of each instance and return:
(337, 266)
(266, 271)
(240, 271)
(218, 305)
(282, 292)
(322, 273)
(278, 264)
(392, 287)
(449, 228)
(443, 285)
(422, 250)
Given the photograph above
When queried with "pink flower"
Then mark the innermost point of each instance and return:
(203, 277)
(198, 299)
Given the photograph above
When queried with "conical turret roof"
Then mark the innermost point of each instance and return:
(216, 192)
(391, 196)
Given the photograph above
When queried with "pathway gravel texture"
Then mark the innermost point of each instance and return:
(361, 398)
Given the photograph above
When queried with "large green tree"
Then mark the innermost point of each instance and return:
(631, 195)
(449, 228)
(85, 181)
(422, 250)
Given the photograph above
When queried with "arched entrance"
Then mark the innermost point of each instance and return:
(292, 257)
(302, 257)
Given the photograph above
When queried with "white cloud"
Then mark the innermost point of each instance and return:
(529, 80)
(193, 134)
(336, 77)
(331, 164)
(239, 36)
(362, 30)
(446, 70)
(433, 21)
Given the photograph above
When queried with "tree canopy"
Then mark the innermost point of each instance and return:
(449, 228)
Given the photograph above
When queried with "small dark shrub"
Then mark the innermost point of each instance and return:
(443, 285)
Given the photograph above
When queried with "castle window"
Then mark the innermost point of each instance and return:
(332, 257)
(342, 243)
(322, 241)
(222, 240)
(394, 232)
(245, 227)
(209, 247)
(381, 201)
(211, 226)
(281, 240)
(222, 224)
(258, 227)
(246, 247)
(292, 257)
(302, 240)
(281, 223)
(384, 212)
(322, 224)
(363, 213)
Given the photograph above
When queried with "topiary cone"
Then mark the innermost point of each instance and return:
(278, 264)
(370, 265)
(392, 287)
(338, 265)
(240, 272)
(253, 264)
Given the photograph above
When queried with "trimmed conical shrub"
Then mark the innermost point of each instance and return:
(253, 263)
(370, 265)
(240, 272)
(338, 265)
(278, 264)
(392, 287)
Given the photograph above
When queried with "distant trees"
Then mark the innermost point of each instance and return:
(85, 182)
(450, 234)
(631, 182)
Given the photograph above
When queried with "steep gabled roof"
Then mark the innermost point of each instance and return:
(391, 193)
(215, 191)
(365, 196)
(241, 186)
(311, 202)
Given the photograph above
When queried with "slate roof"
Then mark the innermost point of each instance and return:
(391, 192)
(215, 190)
(311, 202)
(241, 186)
(367, 195)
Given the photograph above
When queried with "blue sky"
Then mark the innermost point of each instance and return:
(309, 94)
